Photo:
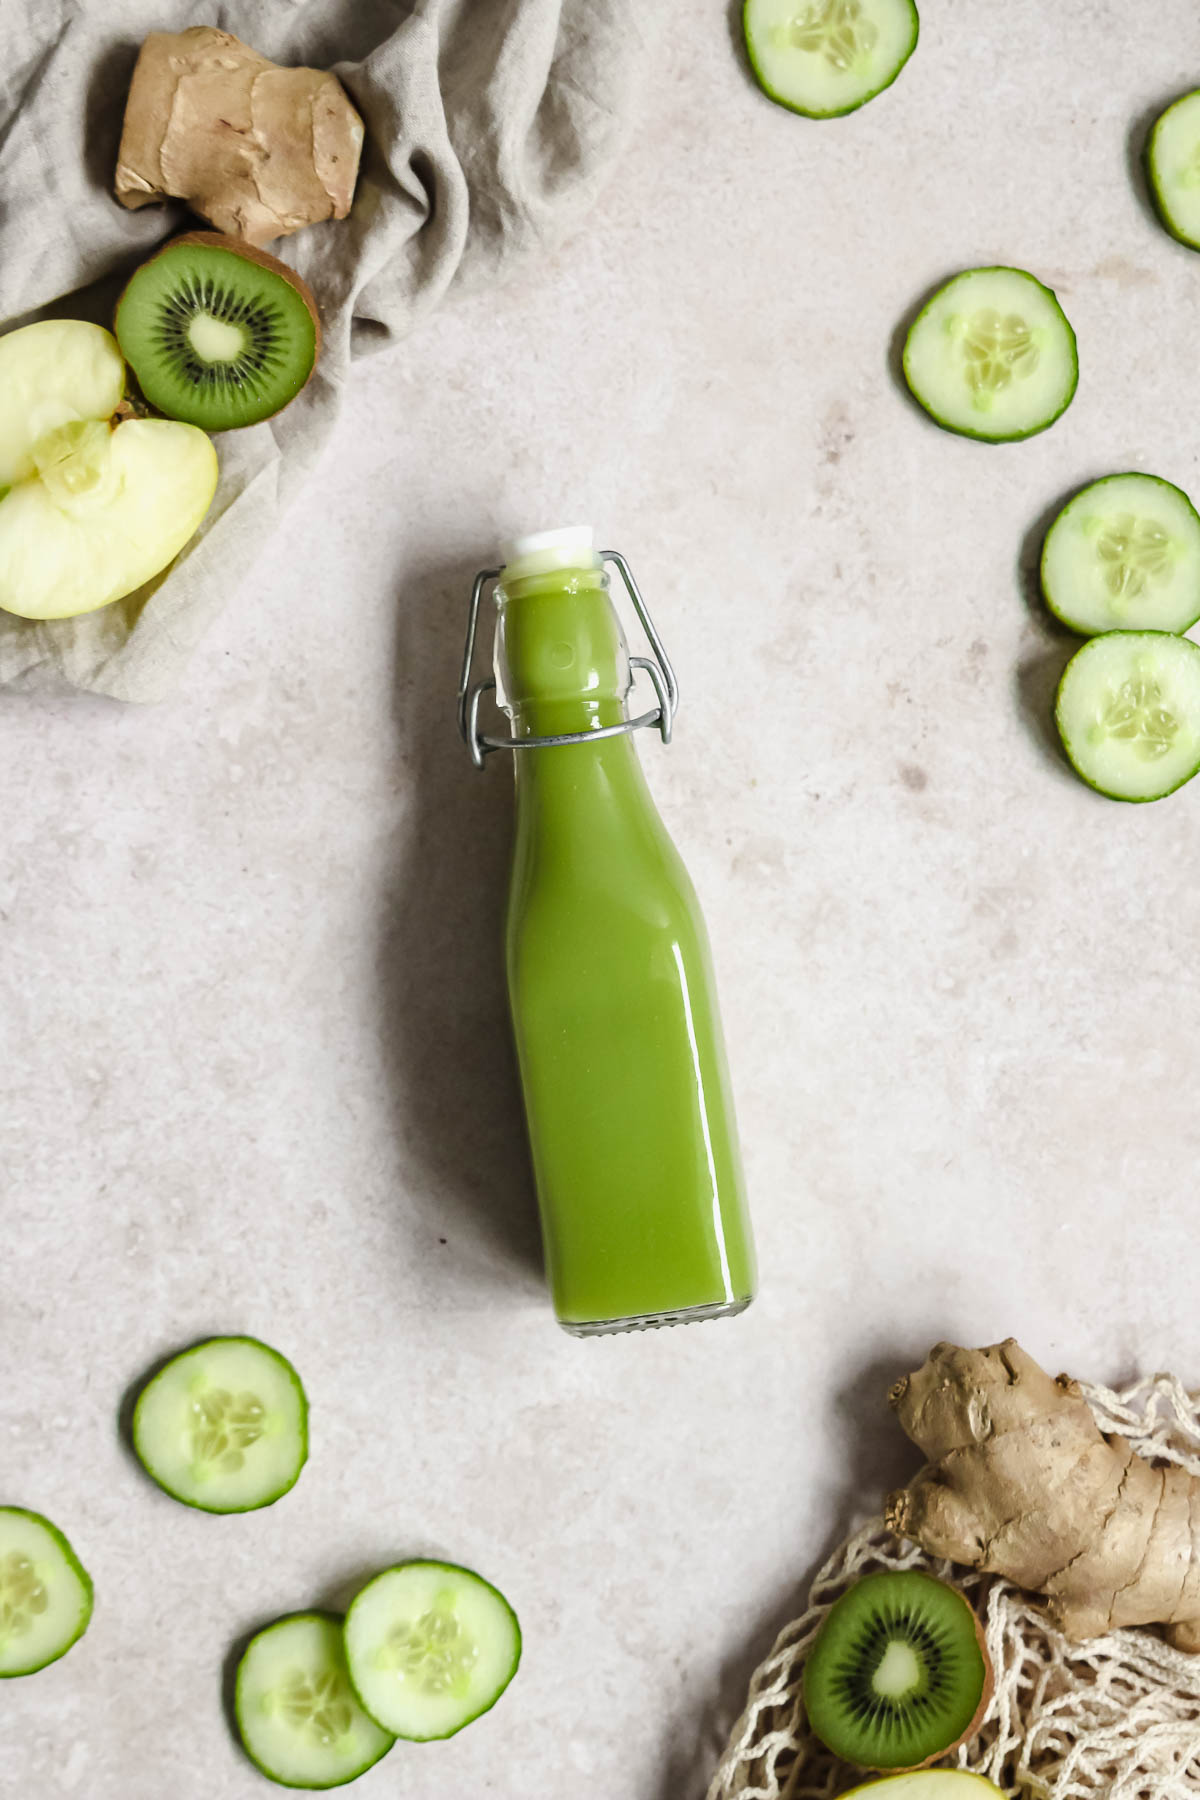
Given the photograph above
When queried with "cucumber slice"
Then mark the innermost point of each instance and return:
(1128, 713)
(224, 1426)
(430, 1646)
(45, 1593)
(992, 356)
(824, 58)
(1124, 553)
(1173, 165)
(297, 1715)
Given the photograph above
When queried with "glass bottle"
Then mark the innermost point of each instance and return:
(622, 1060)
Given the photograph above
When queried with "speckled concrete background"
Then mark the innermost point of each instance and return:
(256, 1072)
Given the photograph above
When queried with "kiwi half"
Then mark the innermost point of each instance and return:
(218, 334)
(899, 1673)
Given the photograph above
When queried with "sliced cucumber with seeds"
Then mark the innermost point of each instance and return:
(224, 1426)
(1173, 165)
(45, 1593)
(297, 1715)
(824, 58)
(1124, 554)
(1128, 713)
(430, 1646)
(992, 356)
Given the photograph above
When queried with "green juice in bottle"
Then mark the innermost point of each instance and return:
(627, 1094)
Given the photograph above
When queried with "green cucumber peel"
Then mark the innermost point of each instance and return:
(223, 1426)
(1173, 168)
(46, 1594)
(1128, 713)
(823, 59)
(297, 1717)
(430, 1647)
(1123, 554)
(992, 356)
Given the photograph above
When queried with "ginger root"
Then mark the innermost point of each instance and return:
(1021, 1482)
(258, 150)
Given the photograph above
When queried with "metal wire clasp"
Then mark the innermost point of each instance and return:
(662, 677)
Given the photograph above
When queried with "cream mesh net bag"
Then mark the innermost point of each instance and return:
(1117, 1717)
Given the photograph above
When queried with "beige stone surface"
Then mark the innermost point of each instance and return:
(256, 1071)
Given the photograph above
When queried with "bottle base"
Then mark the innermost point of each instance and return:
(686, 1315)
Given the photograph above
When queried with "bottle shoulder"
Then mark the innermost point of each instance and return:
(589, 836)
(591, 890)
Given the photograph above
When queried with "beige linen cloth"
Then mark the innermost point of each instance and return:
(491, 125)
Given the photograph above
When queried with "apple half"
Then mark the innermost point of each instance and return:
(91, 506)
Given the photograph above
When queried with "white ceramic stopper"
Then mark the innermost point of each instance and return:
(538, 552)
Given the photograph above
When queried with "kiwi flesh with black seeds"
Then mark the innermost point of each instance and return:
(219, 334)
(899, 1673)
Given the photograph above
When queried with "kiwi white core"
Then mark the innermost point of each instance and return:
(899, 1671)
(216, 340)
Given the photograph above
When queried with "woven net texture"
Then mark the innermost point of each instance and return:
(1118, 1716)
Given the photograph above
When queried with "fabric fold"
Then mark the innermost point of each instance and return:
(490, 130)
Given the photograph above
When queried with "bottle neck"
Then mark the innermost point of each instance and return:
(562, 664)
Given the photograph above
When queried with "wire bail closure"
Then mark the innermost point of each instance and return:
(662, 677)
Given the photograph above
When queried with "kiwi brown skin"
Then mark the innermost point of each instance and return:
(985, 1699)
(219, 240)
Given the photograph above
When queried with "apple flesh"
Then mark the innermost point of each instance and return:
(928, 1784)
(89, 508)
